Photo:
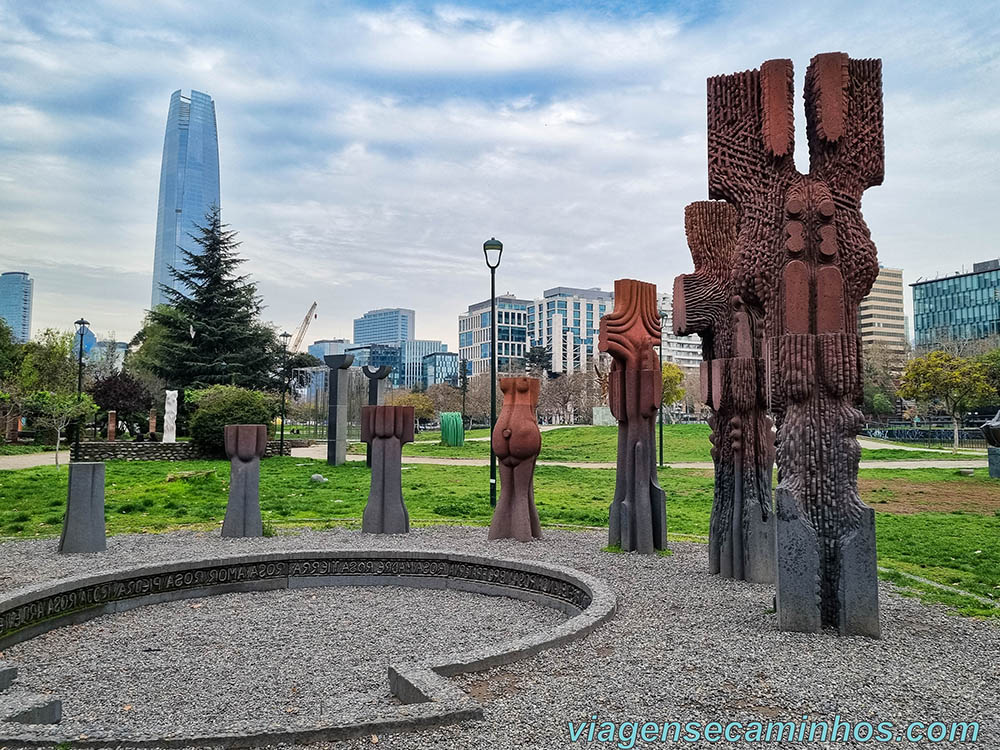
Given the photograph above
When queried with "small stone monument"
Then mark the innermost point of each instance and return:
(336, 422)
(517, 442)
(83, 527)
(386, 429)
(991, 431)
(112, 425)
(152, 419)
(245, 446)
(170, 418)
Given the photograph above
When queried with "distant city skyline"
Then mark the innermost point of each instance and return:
(366, 163)
(16, 296)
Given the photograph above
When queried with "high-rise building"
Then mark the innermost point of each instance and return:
(959, 307)
(881, 320)
(321, 348)
(189, 183)
(388, 325)
(16, 290)
(566, 321)
(683, 351)
(475, 334)
(440, 367)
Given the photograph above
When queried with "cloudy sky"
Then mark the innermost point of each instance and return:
(368, 149)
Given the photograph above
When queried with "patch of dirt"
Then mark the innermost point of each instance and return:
(904, 497)
(485, 689)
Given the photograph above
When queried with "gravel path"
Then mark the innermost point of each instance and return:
(684, 647)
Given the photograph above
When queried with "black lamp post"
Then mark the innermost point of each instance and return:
(81, 329)
(284, 384)
(663, 317)
(493, 249)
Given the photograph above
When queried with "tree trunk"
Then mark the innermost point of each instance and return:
(954, 424)
(58, 440)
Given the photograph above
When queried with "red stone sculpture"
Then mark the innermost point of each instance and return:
(386, 429)
(516, 442)
(804, 261)
(638, 513)
(707, 302)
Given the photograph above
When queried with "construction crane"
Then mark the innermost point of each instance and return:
(301, 333)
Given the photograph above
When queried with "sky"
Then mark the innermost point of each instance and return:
(367, 150)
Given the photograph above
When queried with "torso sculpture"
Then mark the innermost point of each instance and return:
(804, 262)
(245, 446)
(707, 302)
(638, 513)
(517, 442)
(386, 429)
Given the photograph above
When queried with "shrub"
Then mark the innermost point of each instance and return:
(221, 405)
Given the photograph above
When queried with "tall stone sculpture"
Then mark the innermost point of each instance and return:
(336, 422)
(83, 527)
(707, 302)
(170, 418)
(804, 261)
(386, 429)
(152, 420)
(376, 391)
(638, 513)
(112, 425)
(991, 431)
(517, 442)
(245, 446)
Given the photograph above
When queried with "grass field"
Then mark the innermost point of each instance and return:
(682, 443)
(931, 522)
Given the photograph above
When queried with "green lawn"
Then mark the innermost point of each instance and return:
(960, 549)
(682, 443)
(10, 449)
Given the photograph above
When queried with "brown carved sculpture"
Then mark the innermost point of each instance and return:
(707, 302)
(804, 261)
(385, 429)
(638, 514)
(516, 442)
(245, 446)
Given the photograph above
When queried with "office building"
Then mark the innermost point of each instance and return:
(16, 291)
(881, 320)
(441, 367)
(112, 352)
(388, 325)
(322, 347)
(959, 307)
(189, 184)
(566, 322)
(683, 351)
(475, 335)
(412, 353)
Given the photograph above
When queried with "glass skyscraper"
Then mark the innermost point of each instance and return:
(963, 306)
(384, 326)
(189, 183)
(16, 289)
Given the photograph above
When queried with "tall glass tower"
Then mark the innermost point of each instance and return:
(189, 183)
(16, 289)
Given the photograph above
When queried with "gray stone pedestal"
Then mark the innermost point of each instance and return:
(245, 445)
(994, 459)
(386, 429)
(83, 528)
(336, 421)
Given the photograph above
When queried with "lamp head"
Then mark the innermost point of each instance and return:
(493, 249)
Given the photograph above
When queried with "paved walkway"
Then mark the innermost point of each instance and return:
(28, 460)
(877, 445)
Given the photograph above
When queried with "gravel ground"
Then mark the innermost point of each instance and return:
(684, 647)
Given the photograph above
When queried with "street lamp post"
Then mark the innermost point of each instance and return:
(81, 328)
(663, 317)
(284, 384)
(493, 249)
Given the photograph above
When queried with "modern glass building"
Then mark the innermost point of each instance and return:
(960, 307)
(384, 326)
(440, 367)
(16, 290)
(321, 348)
(189, 183)
(475, 333)
(566, 322)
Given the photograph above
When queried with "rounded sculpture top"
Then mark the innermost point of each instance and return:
(245, 441)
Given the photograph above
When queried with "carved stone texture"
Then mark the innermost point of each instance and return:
(83, 527)
(385, 429)
(516, 442)
(707, 302)
(804, 261)
(245, 446)
(170, 418)
(638, 513)
(376, 391)
(336, 422)
(152, 419)
(112, 425)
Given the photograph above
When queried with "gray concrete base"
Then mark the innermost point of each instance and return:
(993, 456)
(243, 509)
(7, 674)
(30, 709)
(797, 568)
(758, 546)
(429, 698)
(857, 594)
(83, 528)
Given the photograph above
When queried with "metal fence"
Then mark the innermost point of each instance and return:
(930, 436)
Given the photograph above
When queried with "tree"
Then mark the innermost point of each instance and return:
(880, 370)
(537, 361)
(445, 397)
(210, 332)
(57, 411)
(992, 361)
(423, 407)
(222, 405)
(955, 383)
(673, 379)
(11, 352)
(126, 396)
(48, 363)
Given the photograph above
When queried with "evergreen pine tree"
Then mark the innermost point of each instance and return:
(211, 324)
